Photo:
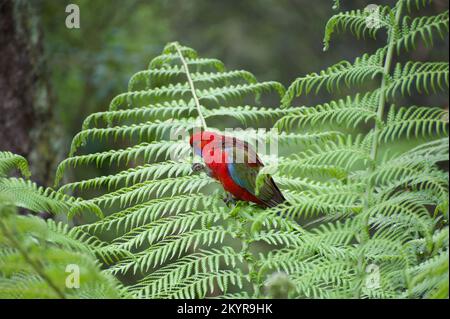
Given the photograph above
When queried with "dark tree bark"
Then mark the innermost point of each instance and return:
(25, 108)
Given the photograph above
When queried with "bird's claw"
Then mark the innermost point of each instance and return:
(229, 200)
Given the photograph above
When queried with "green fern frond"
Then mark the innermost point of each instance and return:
(167, 278)
(145, 150)
(170, 247)
(140, 191)
(414, 122)
(430, 278)
(414, 3)
(9, 161)
(150, 211)
(335, 204)
(246, 114)
(167, 110)
(423, 28)
(152, 78)
(200, 285)
(350, 74)
(166, 61)
(159, 211)
(421, 76)
(28, 195)
(148, 132)
(296, 167)
(357, 21)
(343, 153)
(132, 176)
(349, 112)
(35, 258)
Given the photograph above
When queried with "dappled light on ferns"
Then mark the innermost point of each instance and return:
(358, 197)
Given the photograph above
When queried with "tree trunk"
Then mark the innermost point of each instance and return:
(25, 108)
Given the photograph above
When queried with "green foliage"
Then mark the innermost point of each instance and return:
(169, 237)
(36, 256)
(390, 202)
(9, 161)
(34, 260)
(357, 200)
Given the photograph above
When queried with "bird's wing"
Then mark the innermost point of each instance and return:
(245, 172)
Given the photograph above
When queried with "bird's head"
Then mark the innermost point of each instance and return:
(201, 139)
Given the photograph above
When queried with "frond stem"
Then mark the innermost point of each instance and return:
(191, 85)
(386, 70)
(246, 240)
(381, 106)
(365, 232)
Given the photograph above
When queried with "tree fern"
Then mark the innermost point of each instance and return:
(386, 207)
(356, 202)
(35, 254)
(163, 216)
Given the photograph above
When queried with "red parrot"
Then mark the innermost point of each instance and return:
(235, 165)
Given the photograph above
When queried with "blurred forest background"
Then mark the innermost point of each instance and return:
(52, 77)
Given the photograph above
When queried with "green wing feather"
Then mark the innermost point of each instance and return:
(245, 171)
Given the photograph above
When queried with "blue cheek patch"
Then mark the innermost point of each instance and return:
(197, 151)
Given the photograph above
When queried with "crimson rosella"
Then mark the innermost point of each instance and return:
(235, 164)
